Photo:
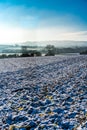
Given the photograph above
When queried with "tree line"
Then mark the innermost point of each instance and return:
(49, 50)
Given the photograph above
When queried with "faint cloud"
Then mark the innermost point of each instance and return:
(18, 16)
(21, 24)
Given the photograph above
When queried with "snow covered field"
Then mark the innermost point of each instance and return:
(43, 93)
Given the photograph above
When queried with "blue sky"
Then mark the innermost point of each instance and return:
(40, 20)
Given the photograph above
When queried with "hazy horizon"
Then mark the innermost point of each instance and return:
(66, 43)
(25, 20)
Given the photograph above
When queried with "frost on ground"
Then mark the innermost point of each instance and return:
(43, 93)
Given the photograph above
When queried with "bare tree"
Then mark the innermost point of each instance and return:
(50, 49)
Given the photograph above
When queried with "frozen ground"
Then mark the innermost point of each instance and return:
(14, 64)
(43, 93)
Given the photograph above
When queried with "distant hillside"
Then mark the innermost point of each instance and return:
(17, 48)
(63, 44)
(60, 46)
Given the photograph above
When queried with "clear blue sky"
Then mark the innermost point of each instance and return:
(33, 20)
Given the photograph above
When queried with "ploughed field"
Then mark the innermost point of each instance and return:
(43, 93)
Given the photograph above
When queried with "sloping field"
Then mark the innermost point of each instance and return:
(43, 93)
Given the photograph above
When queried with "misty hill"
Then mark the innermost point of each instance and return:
(60, 46)
(17, 48)
(63, 44)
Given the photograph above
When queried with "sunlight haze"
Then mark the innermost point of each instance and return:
(22, 21)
